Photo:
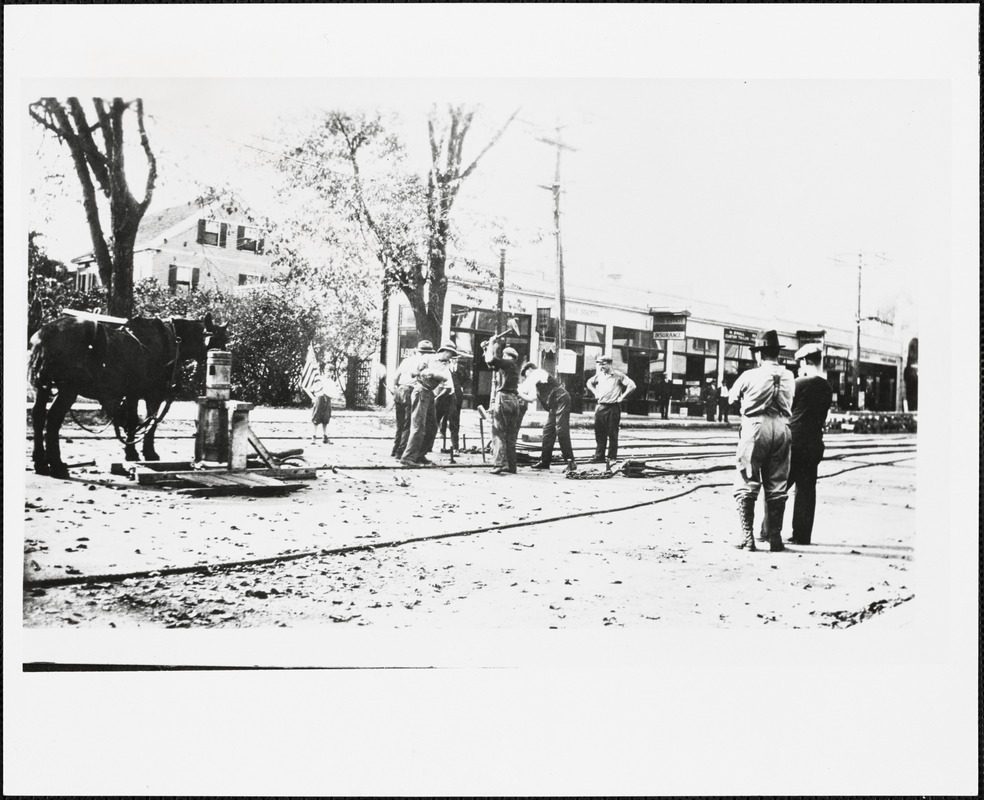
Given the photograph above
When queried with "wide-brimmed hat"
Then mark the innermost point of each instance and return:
(766, 340)
(425, 346)
(448, 347)
(807, 350)
(604, 359)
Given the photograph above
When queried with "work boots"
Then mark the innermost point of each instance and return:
(775, 510)
(571, 466)
(746, 514)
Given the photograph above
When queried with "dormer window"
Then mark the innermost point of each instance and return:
(212, 232)
(249, 238)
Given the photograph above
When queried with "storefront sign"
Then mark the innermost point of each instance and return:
(738, 336)
(809, 337)
(567, 362)
(669, 326)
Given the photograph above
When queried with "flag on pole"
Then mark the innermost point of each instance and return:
(311, 380)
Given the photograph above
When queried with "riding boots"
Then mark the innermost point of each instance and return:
(775, 510)
(746, 514)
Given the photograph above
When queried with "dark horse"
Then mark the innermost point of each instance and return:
(116, 365)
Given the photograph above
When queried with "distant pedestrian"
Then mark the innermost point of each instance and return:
(403, 381)
(610, 387)
(538, 384)
(662, 396)
(709, 397)
(321, 414)
(765, 395)
(723, 402)
(430, 378)
(508, 409)
(811, 402)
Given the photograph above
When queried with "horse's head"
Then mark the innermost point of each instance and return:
(215, 336)
(199, 336)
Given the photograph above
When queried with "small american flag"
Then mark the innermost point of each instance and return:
(311, 380)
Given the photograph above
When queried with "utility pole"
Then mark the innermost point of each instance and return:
(857, 346)
(561, 299)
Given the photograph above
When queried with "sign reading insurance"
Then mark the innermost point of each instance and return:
(669, 326)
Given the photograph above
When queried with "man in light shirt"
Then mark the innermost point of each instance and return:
(610, 387)
(402, 391)
(431, 378)
(765, 398)
(538, 384)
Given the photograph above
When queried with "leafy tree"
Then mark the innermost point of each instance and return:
(105, 168)
(368, 202)
(48, 291)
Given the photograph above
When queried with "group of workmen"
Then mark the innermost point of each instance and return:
(780, 440)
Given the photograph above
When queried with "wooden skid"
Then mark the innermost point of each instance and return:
(146, 476)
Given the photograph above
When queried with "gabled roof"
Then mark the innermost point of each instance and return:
(155, 225)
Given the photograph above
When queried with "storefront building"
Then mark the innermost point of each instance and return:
(650, 342)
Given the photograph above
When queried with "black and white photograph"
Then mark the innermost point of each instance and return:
(541, 378)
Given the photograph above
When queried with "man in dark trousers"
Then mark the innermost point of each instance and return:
(811, 402)
(610, 387)
(723, 402)
(508, 409)
(538, 384)
(403, 382)
(449, 407)
(765, 395)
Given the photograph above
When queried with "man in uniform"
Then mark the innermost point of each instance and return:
(765, 398)
(811, 402)
(610, 387)
(402, 390)
(538, 384)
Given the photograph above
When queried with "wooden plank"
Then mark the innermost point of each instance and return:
(150, 477)
(254, 440)
(96, 317)
(236, 489)
(211, 479)
(248, 479)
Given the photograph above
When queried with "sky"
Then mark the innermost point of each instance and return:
(761, 194)
(741, 151)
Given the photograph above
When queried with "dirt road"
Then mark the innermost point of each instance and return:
(460, 548)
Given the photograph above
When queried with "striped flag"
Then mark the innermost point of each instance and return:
(311, 381)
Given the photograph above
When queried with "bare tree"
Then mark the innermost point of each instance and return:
(104, 168)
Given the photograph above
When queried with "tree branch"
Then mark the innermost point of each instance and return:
(97, 161)
(151, 159)
(492, 141)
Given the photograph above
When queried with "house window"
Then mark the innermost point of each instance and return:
(249, 238)
(249, 280)
(182, 280)
(212, 233)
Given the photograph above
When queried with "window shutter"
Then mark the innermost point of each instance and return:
(223, 228)
(240, 235)
(259, 247)
(201, 231)
(194, 278)
(172, 278)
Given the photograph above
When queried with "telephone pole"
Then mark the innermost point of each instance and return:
(502, 290)
(555, 188)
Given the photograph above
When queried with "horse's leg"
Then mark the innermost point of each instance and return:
(149, 454)
(131, 429)
(38, 415)
(56, 416)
